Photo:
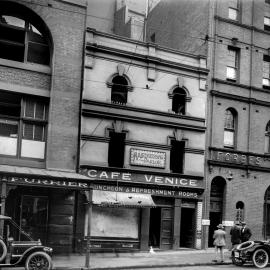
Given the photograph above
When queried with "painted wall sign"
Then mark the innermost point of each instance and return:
(238, 158)
(147, 158)
(142, 178)
(228, 223)
(47, 182)
(151, 191)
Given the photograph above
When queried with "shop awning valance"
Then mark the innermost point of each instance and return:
(116, 199)
(43, 177)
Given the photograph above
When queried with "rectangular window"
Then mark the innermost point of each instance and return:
(232, 63)
(266, 71)
(116, 149)
(228, 138)
(267, 23)
(177, 156)
(233, 14)
(22, 127)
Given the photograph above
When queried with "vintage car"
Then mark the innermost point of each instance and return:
(256, 252)
(23, 253)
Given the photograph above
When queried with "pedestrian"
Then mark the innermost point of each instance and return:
(245, 232)
(219, 242)
(235, 233)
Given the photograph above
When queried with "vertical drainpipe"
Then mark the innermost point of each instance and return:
(209, 113)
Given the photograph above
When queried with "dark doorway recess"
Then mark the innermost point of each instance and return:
(187, 227)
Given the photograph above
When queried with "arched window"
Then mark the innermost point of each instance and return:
(179, 101)
(23, 36)
(267, 138)
(240, 214)
(119, 90)
(229, 128)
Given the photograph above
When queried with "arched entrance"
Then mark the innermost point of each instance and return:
(216, 206)
(266, 222)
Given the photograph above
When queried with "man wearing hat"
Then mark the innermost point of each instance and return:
(245, 232)
(235, 233)
(219, 241)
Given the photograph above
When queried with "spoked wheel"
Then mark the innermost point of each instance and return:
(260, 258)
(3, 250)
(38, 261)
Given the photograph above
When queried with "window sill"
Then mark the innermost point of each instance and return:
(25, 66)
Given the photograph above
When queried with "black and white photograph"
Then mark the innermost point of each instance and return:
(134, 134)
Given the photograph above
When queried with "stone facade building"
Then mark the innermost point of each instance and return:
(40, 87)
(142, 144)
(234, 35)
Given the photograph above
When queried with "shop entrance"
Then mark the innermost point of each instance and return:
(34, 216)
(187, 227)
(154, 228)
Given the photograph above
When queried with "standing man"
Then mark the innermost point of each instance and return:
(245, 232)
(219, 242)
(235, 233)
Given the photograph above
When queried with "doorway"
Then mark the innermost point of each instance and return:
(154, 228)
(187, 227)
(34, 216)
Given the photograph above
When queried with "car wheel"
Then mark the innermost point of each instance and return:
(260, 258)
(38, 261)
(3, 250)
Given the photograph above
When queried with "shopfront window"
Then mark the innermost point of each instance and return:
(113, 222)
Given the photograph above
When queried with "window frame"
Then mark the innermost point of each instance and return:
(44, 56)
(267, 139)
(266, 61)
(266, 25)
(232, 129)
(178, 91)
(235, 67)
(23, 120)
(236, 13)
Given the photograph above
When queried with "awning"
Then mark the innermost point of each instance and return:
(43, 177)
(116, 199)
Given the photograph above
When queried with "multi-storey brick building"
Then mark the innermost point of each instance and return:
(41, 51)
(235, 37)
(142, 144)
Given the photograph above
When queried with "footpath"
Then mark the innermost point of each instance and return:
(110, 261)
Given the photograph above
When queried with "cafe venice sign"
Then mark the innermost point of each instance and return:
(143, 178)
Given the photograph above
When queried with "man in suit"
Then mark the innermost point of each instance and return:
(235, 233)
(245, 232)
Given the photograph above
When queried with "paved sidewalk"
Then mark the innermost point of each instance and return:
(102, 261)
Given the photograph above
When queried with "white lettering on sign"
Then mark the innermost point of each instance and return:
(144, 178)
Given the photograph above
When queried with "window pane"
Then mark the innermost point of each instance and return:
(35, 36)
(40, 111)
(33, 149)
(14, 21)
(267, 21)
(11, 51)
(29, 108)
(233, 14)
(231, 73)
(28, 131)
(266, 69)
(231, 58)
(8, 128)
(38, 53)
(8, 146)
(266, 82)
(228, 138)
(38, 133)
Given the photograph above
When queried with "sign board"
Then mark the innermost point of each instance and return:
(147, 158)
(228, 223)
(154, 179)
(205, 222)
(151, 191)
